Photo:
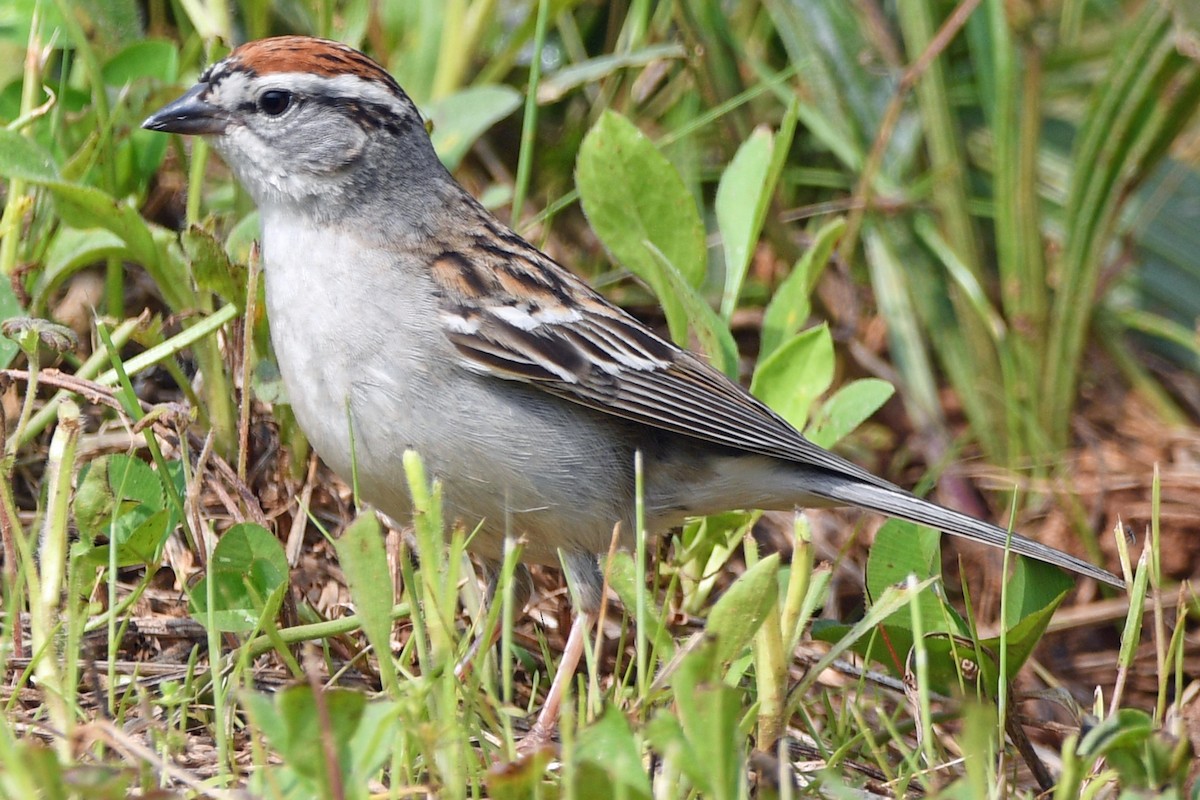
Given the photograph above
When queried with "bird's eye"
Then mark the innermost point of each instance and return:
(274, 102)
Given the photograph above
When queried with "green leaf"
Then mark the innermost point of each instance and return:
(743, 195)
(89, 207)
(633, 198)
(10, 307)
(72, 250)
(709, 716)
(373, 739)
(155, 59)
(248, 565)
(23, 158)
(212, 268)
(789, 307)
(1034, 593)
(622, 579)
(737, 616)
(461, 118)
(796, 374)
(893, 599)
(363, 560)
(902, 549)
(122, 498)
(849, 407)
(716, 340)
(244, 233)
(608, 761)
(297, 730)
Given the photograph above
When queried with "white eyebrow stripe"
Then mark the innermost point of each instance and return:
(348, 86)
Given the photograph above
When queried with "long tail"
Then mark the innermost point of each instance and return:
(895, 502)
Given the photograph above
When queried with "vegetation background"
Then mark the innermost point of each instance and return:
(990, 205)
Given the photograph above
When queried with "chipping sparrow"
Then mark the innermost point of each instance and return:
(403, 309)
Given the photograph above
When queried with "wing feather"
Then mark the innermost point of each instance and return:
(608, 361)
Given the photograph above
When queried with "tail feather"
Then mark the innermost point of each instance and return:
(902, 505)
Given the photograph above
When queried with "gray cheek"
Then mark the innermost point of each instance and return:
(256, 165)
(327, 145)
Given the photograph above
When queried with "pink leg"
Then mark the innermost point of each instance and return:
(547, 721)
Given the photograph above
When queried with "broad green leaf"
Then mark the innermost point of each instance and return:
(621, 577)
(72, 250)
(10, 307)
(461, 118)
(245, 232)
(716, 340)
(248, 565)
(789, 307)
(849, 407)
(608, 761)
(743, 195)
(709, 715)
(1035, 586)
(633, 197)
(892, 600)
(737, 616)
(21, 157)
(299, 732)
(1034, 592)
(212, 268)
(89, 207)
(890, 645)
(121, 497)
(150, 58)
(363, 560)
(796, 374)
(901, 549)
(373, 739)
(141, 539)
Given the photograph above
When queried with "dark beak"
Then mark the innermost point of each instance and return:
(189, 115)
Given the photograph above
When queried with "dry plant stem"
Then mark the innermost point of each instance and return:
(112, 735)
(862, 192)
(547, 720)
(1012, 724)
(247, 349)
(98, 394)
(333, 772)
(46, 601)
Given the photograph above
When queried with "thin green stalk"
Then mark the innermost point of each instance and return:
(1013, 224)
(639, 573)
(87, 371)
(314, 631)
(132, 408)
(46, 604)
(1160, 624)
(216, 663)
(196, 168)
(529, 123)
(1149, 96)
(453, 50)
(17, 202)
(1002, 697)
(920, 661)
